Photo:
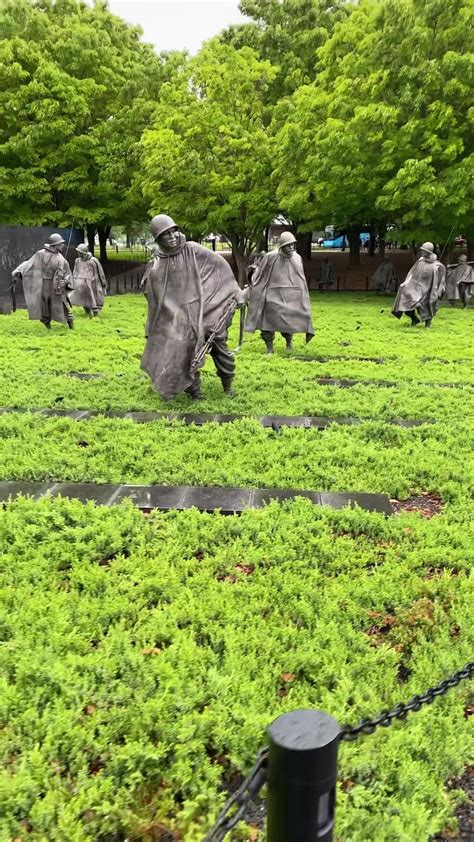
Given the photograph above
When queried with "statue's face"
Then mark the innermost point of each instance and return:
(84, 255)
(288, 249)
(424, 253)
(169, 239)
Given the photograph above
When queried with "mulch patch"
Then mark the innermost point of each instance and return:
(464, 813)
(427, 504)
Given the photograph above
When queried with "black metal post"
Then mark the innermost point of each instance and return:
(301, 778)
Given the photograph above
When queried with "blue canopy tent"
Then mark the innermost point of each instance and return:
(336, 242)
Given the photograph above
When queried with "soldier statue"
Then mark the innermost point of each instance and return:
(384, 279)
(190, 290)
(460, 281)
(90, 285)
(46, 280)
(279, 298)
(418, 296)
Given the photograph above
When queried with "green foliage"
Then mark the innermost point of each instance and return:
(138, 674)
(386, 131)
(206, 158)
(288, 33)
(141, 658)
(78, 88)
(35, 365)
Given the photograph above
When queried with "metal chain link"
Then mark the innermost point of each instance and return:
(240, 799)
(257, 776)
(402, 709)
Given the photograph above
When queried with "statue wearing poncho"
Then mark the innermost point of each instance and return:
(279, 298)
(418, 296)
(187, 288)
(460, 281)
(46, 280)
(90, 285)
(384, 279)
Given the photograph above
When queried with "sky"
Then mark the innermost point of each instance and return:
(178, 24)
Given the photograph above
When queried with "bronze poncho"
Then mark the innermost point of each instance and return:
(462, 273)
(187, 290)
(279, 299)
(89, 284)
(46, 278)
(421, 289)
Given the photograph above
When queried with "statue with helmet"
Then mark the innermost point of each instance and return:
(47, 280)
(279, 298)
(418, 296)
(90, 285)
(192, 294)
(460, 281)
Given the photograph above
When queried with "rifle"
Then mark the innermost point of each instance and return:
(243, 316)
(221, 323)
(13, 292)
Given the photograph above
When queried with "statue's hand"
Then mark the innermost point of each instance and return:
(244, 296)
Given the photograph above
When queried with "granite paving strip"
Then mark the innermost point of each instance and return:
(204, 498)
(308, 422)
(342, 383)
(324, 359)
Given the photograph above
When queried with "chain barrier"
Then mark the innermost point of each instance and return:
(240, 799)
(402, 709)
(254, 781)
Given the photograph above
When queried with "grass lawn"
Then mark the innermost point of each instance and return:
(141, 658)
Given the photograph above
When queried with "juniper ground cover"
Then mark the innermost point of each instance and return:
(142, 657)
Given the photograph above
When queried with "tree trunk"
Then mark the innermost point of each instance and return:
(353, 235)
(241, 264)
(303, 244)
(91, 229)
(103, 231)
(372, 239)
(382, 232)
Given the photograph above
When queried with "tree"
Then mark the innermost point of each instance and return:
(288, 33)
(387, 132)
(78, 88)
(206, 160)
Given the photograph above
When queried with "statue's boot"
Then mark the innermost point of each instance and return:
(414, 318)
(47, 325)
(428, 323)
(194, 390)
(289, 341)
(227, 386)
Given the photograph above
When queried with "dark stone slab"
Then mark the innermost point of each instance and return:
(385, 384)
(103, 495)
(227, 418)
(83, 375)
(30, 489)
(144, 417)
(263, 496)
(370, 502)
(204, 498)
(413, 422)
(323, 359)
(198, 418)
(5, 410)
(113, 413)
(350, 384)
(149, 497)
(209, 498)
(74, 414)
